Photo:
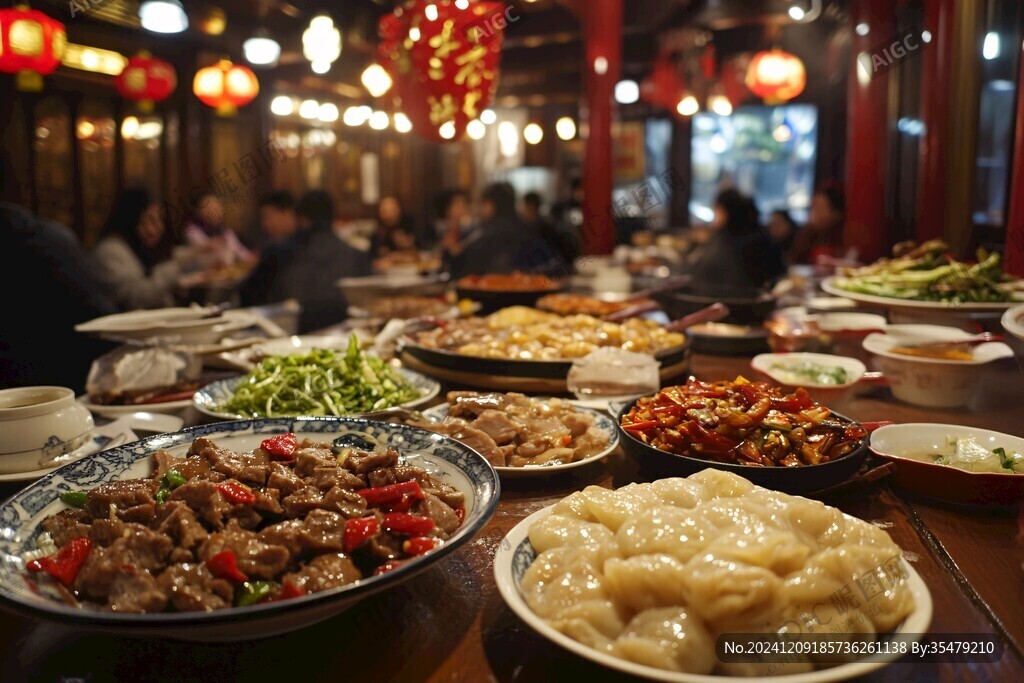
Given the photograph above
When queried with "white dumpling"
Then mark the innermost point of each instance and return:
(672, 531)
(645, 581)
(719, 589)
(747, 516)
(575, 505)
(600, 616)
(669, 638)
(815, 521)
(555, 531)
(875, 576)
(679, 492)
(722, 484)
(780, 551)
(612, 508)
(764, 670)
(561, 581)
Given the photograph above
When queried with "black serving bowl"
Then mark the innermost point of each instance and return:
(746, 306)
(796, 480)
(492, 300)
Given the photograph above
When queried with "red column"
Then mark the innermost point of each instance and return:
(867, 135)
(1015, 219)
(602, 26)
(935, 72)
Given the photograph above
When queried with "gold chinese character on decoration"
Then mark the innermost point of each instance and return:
(442, 110)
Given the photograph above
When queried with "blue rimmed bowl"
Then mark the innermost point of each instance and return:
(20, 516)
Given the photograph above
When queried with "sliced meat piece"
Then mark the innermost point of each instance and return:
(137, 549)
(444, 517)
(577, 422)
(348, 503)
(66, 525)
(179, 555)
(284, 479)
(147, 548)
(204, 498)
(141, 514)
(323, 531)
(192, 588)
(449, 495)
(325, 478)
(302, 502)
(178, 521)
(287, 534)
(136, 591)
(308, 459)
(268, 500)
(496, 425)
(256, 559)
(395, 475)
(163, 461)
(481, 443)
(325, 572)
(124, 494)
(469, 404)
(385, 547)
(361, 462)
(249, 468)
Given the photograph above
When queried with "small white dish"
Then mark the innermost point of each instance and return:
(515, 555)
(194, 326)
(777, 367)
(114, 412)
(98, 442)
(601, 420)
(851, 322)
(39, 425)
(1013, 321)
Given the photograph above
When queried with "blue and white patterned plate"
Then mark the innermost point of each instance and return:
(210, 398)
(20, 516)
(601, 420)
(515, 554)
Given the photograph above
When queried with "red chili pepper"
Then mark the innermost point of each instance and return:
(460, 512)
(794, 403)
(280, 447)
(673, 409)
(224, 565)
(392, 493)
(359, 531)
(64, 566)
(413, 525)
(388, 566)
(236, 493)
(403, 505)
(289, 590)
(641, 426)
(421, 545)
(872, 426)
(712, 441)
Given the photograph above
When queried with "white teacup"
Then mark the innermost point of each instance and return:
(38, 425)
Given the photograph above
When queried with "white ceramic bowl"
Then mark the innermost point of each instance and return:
(775, 365)
(39, 424)
(181, 325)
(931, 382)
(20, 516)
(1013, 322)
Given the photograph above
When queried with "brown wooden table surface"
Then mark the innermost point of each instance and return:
(450, 624)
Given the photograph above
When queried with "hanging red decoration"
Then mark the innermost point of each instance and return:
(776, 76)
(444, 62)
(225, 86)
(31, 45)
(146, 79)
(663, 87)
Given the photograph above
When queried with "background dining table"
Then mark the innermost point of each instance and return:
(450, 624)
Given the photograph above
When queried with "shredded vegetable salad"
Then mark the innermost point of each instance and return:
(321, 382)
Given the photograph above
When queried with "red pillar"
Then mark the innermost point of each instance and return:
(602, 26)
(1015, 220)
(936, 67)
(867, 135)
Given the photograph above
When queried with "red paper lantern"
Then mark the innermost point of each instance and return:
(146, 79)
(443, 61)
(225, 86)
(776, 76)
(31, 45)
(664, 86)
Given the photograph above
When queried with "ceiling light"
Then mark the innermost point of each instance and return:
(688, 106)
(600, 66)
(990, 49)
(488, 116)
(431, 14)
(163, 16)
(321, 43)
(447, 130)
(720, 105)
(508, 139)
(476, 129)
(462, 4)
(282, 105)
(328, 113)
(533, 133)
(565, 128)
(797, 12)
(414, 34)
(261, 50)
(379, 120)
(926, 36)
(402, 123)
(782, 133)
(353, 117)
(862, 29)
(376, 80)
(129, 127)
(309, 109)
(627, 92)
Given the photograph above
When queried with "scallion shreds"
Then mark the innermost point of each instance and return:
(321, 382)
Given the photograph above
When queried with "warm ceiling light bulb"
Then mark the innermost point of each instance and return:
(488, 116)
(321, 43)
(565, 128)
(353, 117)
(476, 129)
(533, 133)
(262, 50)
(309, 109)
(797, 12)
(447, 130)
(627, 92)
(990, 48)
(328, 112)
(163, 16)
(414, 34)
(431, 13)
(402, 123)
(129, 127)
(720, 105)
(376, 80)
(601, 66)
(508, 138)
(379, 120)
(282, 105)
(462, 4)
(688, 106)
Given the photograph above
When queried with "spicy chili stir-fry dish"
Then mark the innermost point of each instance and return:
(219, 529)
(742, 422)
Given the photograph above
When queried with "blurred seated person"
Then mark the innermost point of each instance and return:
(207, 230)
(740, 256)
(132, 254)
(395, 230)
(570, 211)
(453, 219)
(561, 239)
(278, 223)
(782, 229)
(822, 237)
(320, 258)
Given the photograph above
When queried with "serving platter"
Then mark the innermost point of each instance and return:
(20, 516)
(515, 554)
(830, 286)
(209, 398)
(601, 420)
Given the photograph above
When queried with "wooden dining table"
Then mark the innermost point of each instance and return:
(450, 624)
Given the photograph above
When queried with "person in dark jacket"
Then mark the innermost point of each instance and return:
(319, 260)
(278, 223)
(740, 256)
(395, 232)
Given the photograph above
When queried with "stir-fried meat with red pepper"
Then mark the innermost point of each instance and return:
(742, 422)
(219, 529)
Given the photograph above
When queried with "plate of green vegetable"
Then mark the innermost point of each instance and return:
(813, 370)
(317, 383)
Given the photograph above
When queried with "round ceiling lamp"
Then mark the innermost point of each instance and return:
(321, 43)
(163, 16)
(146, 79)
(376, 80)
(31, 45)
(776, 76)
(565, 128)
(261, 49)
(225, 86)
